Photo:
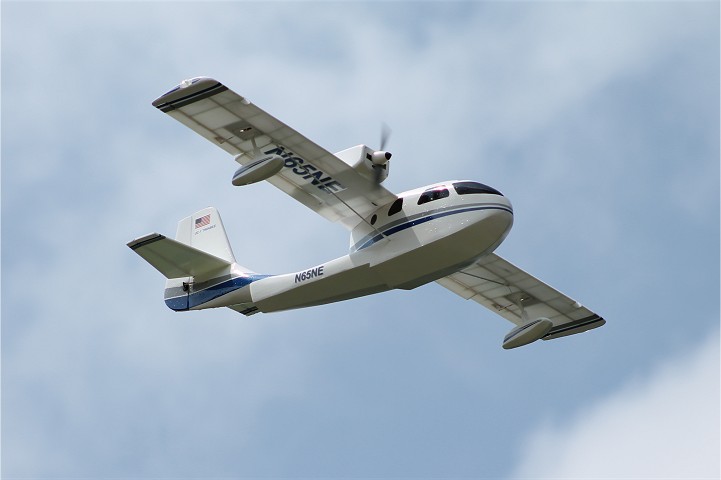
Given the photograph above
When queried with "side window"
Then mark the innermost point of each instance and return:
(431, 195)
(396, 207)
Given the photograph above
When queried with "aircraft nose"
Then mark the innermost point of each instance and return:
(497, 224)
(502, 219)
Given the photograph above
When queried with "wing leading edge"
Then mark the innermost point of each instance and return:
(520, 298)
(312, 175)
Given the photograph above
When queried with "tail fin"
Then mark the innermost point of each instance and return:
(200, 247)
(204, 231)
(199, 265)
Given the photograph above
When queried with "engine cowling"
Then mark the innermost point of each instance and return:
(380, 157)
(372, 164)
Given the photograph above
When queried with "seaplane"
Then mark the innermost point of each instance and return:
(445, 232)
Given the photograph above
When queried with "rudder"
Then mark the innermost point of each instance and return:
(204, 231)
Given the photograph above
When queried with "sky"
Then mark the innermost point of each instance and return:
(598, 120)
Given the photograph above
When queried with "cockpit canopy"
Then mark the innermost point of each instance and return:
(466, 188)
(461, 188)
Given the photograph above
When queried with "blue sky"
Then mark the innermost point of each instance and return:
(600, 122)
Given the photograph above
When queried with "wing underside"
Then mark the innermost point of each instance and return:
(311, 174)
(519, 297)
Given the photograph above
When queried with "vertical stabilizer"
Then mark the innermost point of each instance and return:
(204, 230)
(199, 265)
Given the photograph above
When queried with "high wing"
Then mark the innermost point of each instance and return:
(311, 174)
(520, 298)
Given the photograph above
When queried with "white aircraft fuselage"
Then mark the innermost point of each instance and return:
(444, 233)
(424, 235)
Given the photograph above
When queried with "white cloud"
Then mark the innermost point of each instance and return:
(665, 426)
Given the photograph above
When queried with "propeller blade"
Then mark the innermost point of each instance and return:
(385, 135)
(379, 169)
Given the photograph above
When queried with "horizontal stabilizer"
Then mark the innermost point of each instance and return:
(175, 259)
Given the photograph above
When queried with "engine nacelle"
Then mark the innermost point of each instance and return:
(527, 333)
(370, 163)
(380, 158)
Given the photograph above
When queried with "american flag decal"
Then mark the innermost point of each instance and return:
(202, 221)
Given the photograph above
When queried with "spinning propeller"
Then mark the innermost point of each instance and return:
(380, 158)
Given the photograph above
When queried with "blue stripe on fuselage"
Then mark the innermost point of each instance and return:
(200, 297)
(419, 221)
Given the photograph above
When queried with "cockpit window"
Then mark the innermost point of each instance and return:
(467, 188)
(431, 195)
(396, 207)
